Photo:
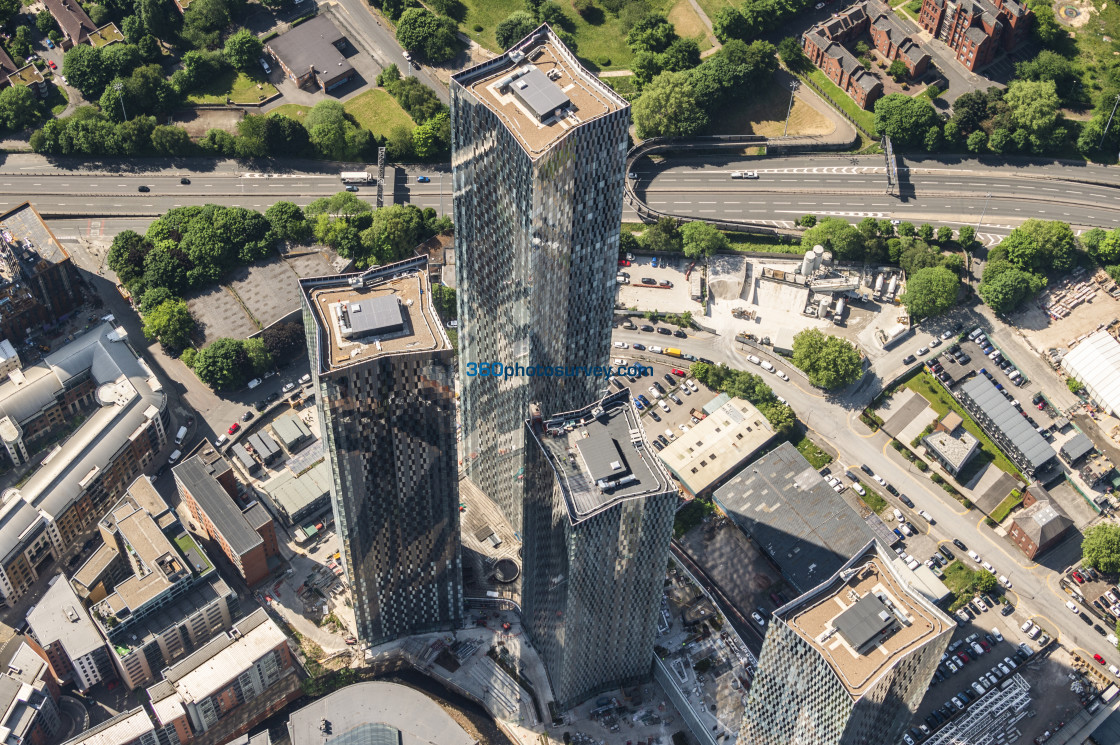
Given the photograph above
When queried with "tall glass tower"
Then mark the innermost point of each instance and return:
(598, 521)
(383, 369)
(539, 160)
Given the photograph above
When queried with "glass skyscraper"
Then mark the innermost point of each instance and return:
(848, 662)
(598, 520)
(383, 369)
(538, 158)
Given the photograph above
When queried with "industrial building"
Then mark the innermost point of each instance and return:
(717, 446)
(848, 661)
(382, 367)
(535, 249)
(1041, 524)
(1095, 363)
(1006, 425)
(598, 521)
(781, 502)
(302, 497)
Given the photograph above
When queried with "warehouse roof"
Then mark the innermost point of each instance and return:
(1095, 362)
(1077, 447)
(794, 516)
(292, 493)
(1009, 420)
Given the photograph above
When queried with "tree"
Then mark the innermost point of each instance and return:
(168, 140)
(654, 33)
(153, 298)
(19, 108)
(1034, 105)
(792, 55)
(242, 49)
(669, 107)
(1004, 286)
(433, 137)
(392, 235)
(829, 361)
(730, 25)
(417, 99)
(986, 582)
(284, 340)
(1100, 548)
(1107, 248)
(430, 36)
(898, 70)
(682, 54)
(44, 21)
(126, 255)
(977, 141)
(287, 222)
(223, 365)
(925, 232)
(664, 236)
(166, 266)
(702, 239)
(444, 299)
(904, 119)
(514, 28)
(1049, 65)
(906, 229)
(162, 21)
(284, 135)
(399, 143)
(1075, 386)
(966, 237)
(646, 66)
(836, 235)
(203, 22)
(930, 292)
(944, 234)
(83, 70)
(170, 323)
(1041, 246)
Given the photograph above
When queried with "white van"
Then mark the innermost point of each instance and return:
(222, 439)
(174, 456)
(180, 435)
(767, 366)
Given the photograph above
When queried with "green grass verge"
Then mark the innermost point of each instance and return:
(623, 86)
(57, 99)
(965, 583)
(378, 112)
(185, 542)
(691, 515)
(873, 499)
(1013, 500)
(374, 110)
(600, 45)
(939, 399)
(739, 241)
(817, 458)
(865, 118)
(240, 87)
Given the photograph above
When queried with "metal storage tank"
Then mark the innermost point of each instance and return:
(827, 257)
(879, 284)
(839, 312)
(893, 285)
(823, 308)
(818, 252)
(807, 263)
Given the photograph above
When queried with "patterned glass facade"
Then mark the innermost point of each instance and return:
(798, 698)
(593, 583)
(388, 422)
(536, 245)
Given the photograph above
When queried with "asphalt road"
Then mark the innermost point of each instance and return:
(1035, 590)
(855, 187)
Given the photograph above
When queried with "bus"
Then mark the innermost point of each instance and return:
(358, 177)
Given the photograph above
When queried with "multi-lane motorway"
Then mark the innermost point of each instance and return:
(854, 187)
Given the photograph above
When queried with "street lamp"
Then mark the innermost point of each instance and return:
(792, 90)
(987, 197)
(441, 195)
(118, 87)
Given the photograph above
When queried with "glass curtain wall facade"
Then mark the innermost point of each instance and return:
(593, 583)
(388, 424)
(536, 246)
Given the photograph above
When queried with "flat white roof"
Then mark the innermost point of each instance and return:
(1095, 362)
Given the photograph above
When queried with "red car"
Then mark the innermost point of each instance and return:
(1098, 658)
(623, 262)
(962, 657)
(1077, 576)
(52, 64)
(233, 428)
(987, 647)
(679, 373)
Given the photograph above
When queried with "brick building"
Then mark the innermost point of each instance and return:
(102, 395)
(1041, 523)
(72, 19)
(28, 693)
(976, 30)
(824, 45)
(309, 54)
(76, 652)
(246, 535)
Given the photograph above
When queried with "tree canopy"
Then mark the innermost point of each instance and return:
(1041, 246)
(669, 107)
(701, 239)
(428, 35)
(747, 386)
(904, 119)
(170, 322)
(243, 49)
(836, 235)
(284, 340)
(930, 292)
(1100, 548)
(829, 361)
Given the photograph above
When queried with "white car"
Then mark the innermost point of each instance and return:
(288, 387)
(818, 6)
(974, 556)
(1114, 670)
(621, 345)
(664, 406)
(264, 65)
(898, 515)
(946, 335)
(1034, 632)
(926, 516)
(781, 375)
(906, 532)
(988, 566)
(654, 392)
(753, 359)
(880, 479)
(859, 489)
(1003, 580)
(996, 633)
(922, 351)
(1026, 626)
(692, 385)
(682, 427)
(767, 366)
(1072, 606)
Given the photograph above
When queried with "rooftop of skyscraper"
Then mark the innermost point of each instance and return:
(383, 311)
(539, 90)
(865, 618)
(600, 455)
